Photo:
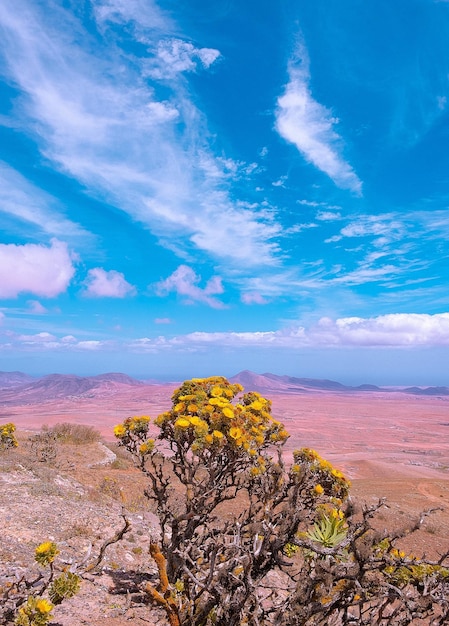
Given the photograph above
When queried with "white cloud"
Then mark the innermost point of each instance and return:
(174, 56)
(144, 14)
(38, 338)
(253, 297)
(112, 133)
(24, 202)
(103, 284)
(399, 330)
(184, 281)
(327, 216)
(37, 269)
(309, 125)
(36, 307)
(386, 224)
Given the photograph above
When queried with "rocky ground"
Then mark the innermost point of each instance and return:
(76, 502)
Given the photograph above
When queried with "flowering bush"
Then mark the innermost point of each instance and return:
(23, 600)
(7, 436)
(247, 540)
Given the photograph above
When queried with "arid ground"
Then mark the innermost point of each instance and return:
(390, 444)
(384, 435)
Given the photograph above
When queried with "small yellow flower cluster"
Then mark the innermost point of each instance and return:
(7, 437)
(137, 425)
(45, 553)
(36, 612)
(204, 415)
(329, 481)
(147, 447)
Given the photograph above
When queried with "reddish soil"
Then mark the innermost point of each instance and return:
(382, 435)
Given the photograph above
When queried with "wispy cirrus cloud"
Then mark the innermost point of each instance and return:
(27, 205)
(104, 132)
(184, 282)
(107, 284)
(310, 126)
(35, 269)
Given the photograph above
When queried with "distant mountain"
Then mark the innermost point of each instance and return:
(266, 383)
(19, 388)
(427, 391)
(9, 380)
(61, 386)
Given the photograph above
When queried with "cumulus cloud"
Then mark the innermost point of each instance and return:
(50, 342)
(162, 320)
(184, 282)
(36, 269)
(398, 330)
(111, 284)
(310, 126)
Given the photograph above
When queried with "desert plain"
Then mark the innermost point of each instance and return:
(383, 435)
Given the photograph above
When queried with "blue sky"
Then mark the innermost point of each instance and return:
(196, 188)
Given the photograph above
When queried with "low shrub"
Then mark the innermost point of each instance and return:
(7, 436)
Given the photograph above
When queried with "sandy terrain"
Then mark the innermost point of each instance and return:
(368, 435)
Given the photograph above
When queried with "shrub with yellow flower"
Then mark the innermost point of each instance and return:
(231, 511)
(7, 436)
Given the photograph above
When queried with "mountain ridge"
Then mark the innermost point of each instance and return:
(18, 387)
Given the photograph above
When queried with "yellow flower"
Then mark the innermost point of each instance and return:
(182, 422)
(218, 435)
(227, 412)
(257, 405)
(45, 552)
(192, 408)
(43, 606)
(179, 408)
(318, 489)
(216, 391)
(337, 514)
(208, 439)
(235, 432)
(147, 447)
(119, 431)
